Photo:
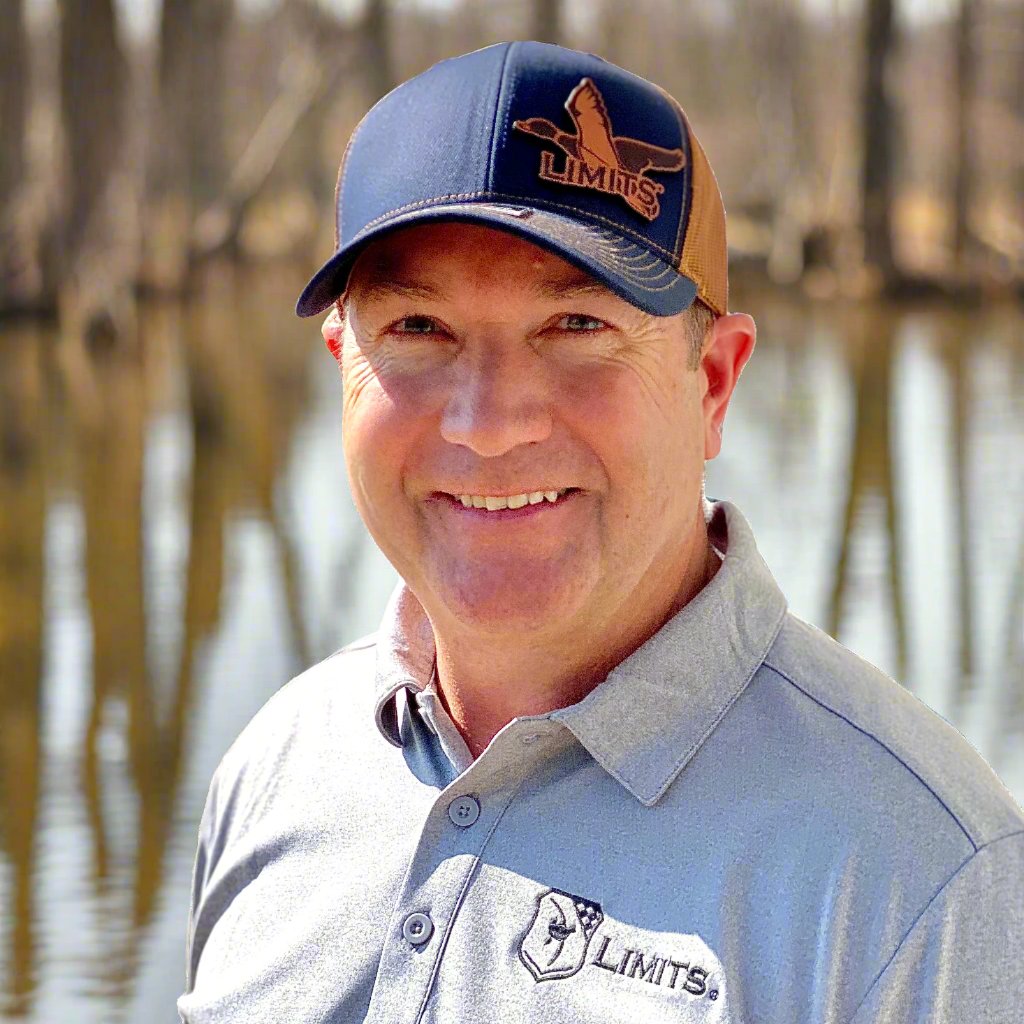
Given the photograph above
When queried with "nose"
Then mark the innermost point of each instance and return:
(499, 399)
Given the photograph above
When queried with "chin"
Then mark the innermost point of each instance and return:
(522, 600)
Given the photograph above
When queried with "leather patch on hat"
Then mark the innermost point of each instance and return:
(596, 158)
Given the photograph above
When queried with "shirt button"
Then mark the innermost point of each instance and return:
(464, 810)
(417, 928)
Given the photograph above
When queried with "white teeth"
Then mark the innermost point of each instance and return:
(494, 503)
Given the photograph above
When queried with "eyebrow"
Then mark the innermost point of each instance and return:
(560, 288)
(549, 288)
(385, 287)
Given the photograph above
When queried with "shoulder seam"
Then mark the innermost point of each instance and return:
(924, 910)
(942, 803)
(999, 839)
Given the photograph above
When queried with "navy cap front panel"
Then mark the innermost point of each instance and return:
(538, 81)
(601, 152)
(431, 137)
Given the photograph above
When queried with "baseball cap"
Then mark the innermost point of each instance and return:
(562, 148)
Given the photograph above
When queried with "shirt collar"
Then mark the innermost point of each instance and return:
(648, 718)
(405, 657)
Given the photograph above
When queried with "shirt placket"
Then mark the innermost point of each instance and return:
(455, 833)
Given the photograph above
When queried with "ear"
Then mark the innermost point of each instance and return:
(726, 351)
(332, 329)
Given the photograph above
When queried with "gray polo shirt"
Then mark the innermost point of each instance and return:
(744, 822)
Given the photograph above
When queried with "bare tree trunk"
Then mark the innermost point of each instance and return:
(772, 35)
(92, 83)
(877, 139)
(193, 39)
(187, 159)
(314, 35)
(1017, 183)
(546, 25)
(380, 71)
(96, 232)
(615, 28)
(13, 110)
(13, 96)
(966, 67)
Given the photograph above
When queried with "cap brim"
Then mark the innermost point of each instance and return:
(632, 271)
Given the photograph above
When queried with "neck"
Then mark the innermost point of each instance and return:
(486, 682)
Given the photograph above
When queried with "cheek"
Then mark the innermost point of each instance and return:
(372, 437)
(630, 417)
(357, 378)
(381, 422)
(647, 434)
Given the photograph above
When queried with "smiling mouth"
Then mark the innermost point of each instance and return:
(499, 502)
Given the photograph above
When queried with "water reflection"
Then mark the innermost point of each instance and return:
(107, 420)
(875, 452)
(869, 345)
(22, 508)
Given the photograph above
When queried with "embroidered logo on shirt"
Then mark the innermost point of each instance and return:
(555, 944)
(595, 158)
(653, 968)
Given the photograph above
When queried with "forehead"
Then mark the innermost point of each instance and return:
(452, 256)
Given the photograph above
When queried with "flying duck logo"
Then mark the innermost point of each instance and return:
(595, 158)
(555, 944)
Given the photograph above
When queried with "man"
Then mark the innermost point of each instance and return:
(590, 768)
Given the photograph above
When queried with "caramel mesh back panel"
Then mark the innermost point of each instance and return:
(704, 258)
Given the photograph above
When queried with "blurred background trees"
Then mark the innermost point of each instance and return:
(144, 138)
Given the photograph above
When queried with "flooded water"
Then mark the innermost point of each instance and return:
(177, 540)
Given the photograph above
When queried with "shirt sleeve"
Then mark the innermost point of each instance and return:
(963, 958)
(208, 849)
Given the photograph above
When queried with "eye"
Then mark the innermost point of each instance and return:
(415, 325)
(580, 323)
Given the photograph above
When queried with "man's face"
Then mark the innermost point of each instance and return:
(478, 366)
